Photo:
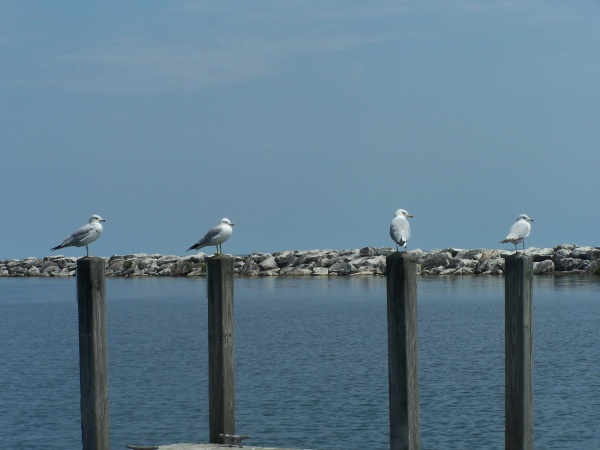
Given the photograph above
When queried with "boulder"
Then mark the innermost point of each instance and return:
(286, 259)
(268, 263)
(545, 266)
(295, 271)
(367, 251)
(269, 273)
(470, 254)
(320, 271)
(566, 264)
(434, 260)
(250, 269)
(540, 254)
(491, 262)
(588, 253)
(467, 264)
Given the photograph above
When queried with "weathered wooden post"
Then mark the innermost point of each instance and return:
(403, 352)
(221, 367)
(93, 353)
(518, 343)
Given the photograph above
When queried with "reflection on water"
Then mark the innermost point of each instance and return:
(311, 362)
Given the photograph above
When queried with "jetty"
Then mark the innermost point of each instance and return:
(365, 261)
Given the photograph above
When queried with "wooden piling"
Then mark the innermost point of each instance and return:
(518, 352)
(93, 353)
(221, 367)
(403, 352)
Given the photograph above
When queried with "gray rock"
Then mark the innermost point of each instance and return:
(250, 269)
(268, 263)
(467, 264)
(540, 254)
(376, 265)
(166, 272)
(474, 254)
(587, 253)
(286, 259)
(367, 251)
(295, 271)
(349, 269)
(568, 247)
(491, 262)
(435, 260)
(363, 272)
(328, 261)
(492, 266)
(269, 273)
(594, 267)
(545, 266)
(320, 271)
(146, 262)
(50, 270)
(436, 270)
(565, 264)
(166, 259)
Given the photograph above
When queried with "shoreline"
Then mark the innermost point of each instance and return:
(368, 261)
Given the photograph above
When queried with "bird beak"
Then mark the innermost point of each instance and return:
(102, 220)
(232, 224)
(410, 215)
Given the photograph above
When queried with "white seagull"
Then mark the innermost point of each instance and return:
(519, 231)
(85, 235)
(215, 236)
(400, 228)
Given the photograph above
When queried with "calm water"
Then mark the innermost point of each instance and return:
(311, 362)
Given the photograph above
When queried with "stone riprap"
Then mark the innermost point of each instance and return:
(364, 261)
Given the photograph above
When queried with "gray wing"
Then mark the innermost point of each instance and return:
(84, 233)
(400, 230)
(205, 240)
(519, 230)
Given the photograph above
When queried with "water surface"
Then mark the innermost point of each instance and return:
(311, 362)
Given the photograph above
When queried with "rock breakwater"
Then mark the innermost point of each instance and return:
(351, 262)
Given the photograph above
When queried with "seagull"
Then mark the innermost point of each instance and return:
(215, 236)
(400, 229)
(519, 231)
(85, 235)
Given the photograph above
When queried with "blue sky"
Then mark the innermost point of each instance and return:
(305, 123)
